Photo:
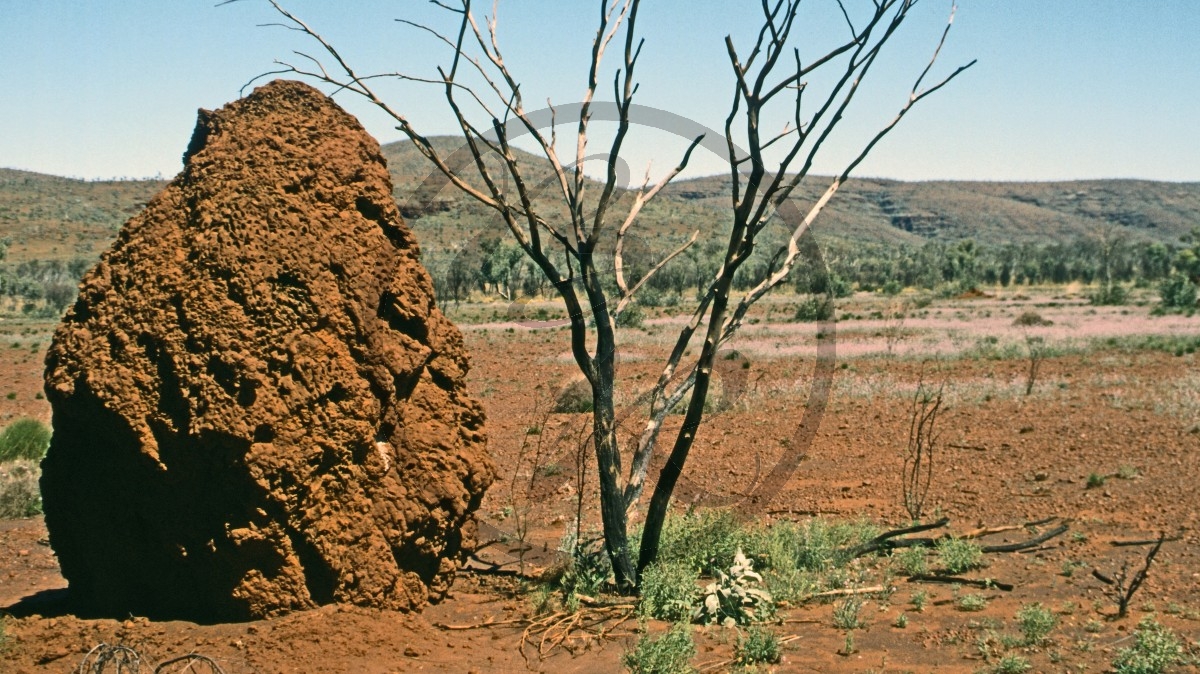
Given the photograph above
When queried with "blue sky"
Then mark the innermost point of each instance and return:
(1064, 89)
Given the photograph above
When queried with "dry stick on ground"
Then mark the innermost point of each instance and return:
(125, 659)
(1118, 590)
(985, 583)
(190, 659)
(889, 540)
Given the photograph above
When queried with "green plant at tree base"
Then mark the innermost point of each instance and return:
(1155, 648)
(734, 598)
(758, 645)
(24, 438)
(668, 591)
(671, 653)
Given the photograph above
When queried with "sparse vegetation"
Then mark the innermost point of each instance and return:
(670, 653)
(1011, 664)
(971, 602)
(669, 591)
(19, 494)
(1155, 649)
(757, 645)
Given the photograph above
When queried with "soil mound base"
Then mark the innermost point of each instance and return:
(257, 405)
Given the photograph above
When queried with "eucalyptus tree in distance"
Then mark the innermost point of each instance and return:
(578, 240)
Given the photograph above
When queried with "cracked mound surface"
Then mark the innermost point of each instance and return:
(257, 405)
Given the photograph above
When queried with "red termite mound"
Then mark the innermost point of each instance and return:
(257, 405)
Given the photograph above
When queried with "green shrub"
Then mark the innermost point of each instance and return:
(847, 615)
(1095, 480)
(972, 602)
(669, 591)
(735, 599)
(757, 645)
(959, 554)
(669, 654)
(631, 316)
(815, 308)
(1155, 649)
(1036, 622)
(706, 540)
(1113, 295)
(24, 438)
(1177, 292)
(912, 561)
(19, 494)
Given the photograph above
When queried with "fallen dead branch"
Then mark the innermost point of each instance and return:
(984, 583)
(1146, 541)
(848, 592)
(190, 659)
(891, 540)
(125, 660)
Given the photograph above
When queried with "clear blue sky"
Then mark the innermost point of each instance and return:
(1063, 89)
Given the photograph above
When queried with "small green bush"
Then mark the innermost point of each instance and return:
(847, 614)
(1177, 292)
(972, 602)
(1155, 649)
(815, 308)
(734, 598)
(912, 561)
(1012, 664)
(1036, 622)
(669, 591)
(757, 645)
(706, 540)
(957, 555)
(19, 494)
(669, 654)
(24, 438)
(1095, 480)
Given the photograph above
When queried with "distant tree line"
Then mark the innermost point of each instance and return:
(1108, 260)
(41, 287)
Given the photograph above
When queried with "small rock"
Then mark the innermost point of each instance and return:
(1041, 476)
(411, 652)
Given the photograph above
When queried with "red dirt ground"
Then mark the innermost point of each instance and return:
(1007, 459)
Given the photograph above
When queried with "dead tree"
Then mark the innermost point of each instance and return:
(589, 221)
(922, 441)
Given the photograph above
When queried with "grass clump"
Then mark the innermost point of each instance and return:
(1095, 480)
(668, 591)
(24, 438)
(957, 555)
(847, 614)
(1155, 649)
(670, 653)
(912, 561)
(1036, 623)
(19, 493)
(972, 602)
(705, 540)
(757, 645)
(1011, 664)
